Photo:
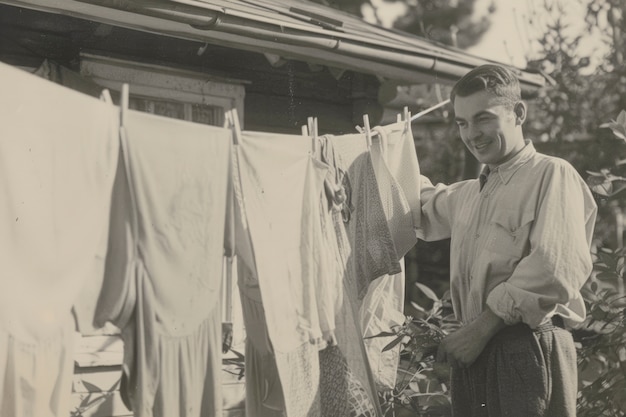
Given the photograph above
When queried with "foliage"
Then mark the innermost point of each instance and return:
(581, 91)
(602, 341)
(96, 397)
(445, 21)
(602, 338)
(451, 22)
(235, 365)
(605, 183)
(422, 384)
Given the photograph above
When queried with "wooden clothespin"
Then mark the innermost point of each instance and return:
(368, 131)
(232, 119)
(407, 117)
(312, 130)
(105, 96)
(124, 101)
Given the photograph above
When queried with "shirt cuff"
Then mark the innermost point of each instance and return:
(514, 305)
(503, 305)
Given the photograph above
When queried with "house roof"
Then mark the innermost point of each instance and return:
(293, 29)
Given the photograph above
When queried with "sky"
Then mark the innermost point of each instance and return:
(515, 26)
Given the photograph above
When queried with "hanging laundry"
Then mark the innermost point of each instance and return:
(398, 149)
(373, 250)
(164, 265)
(395, 205)
(381, 304)
(397, 171)
(58, 155)
(345, 371)
(287, 284)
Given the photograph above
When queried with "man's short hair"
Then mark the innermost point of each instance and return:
(495, 79)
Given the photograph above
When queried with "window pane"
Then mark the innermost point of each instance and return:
(165, 108)
(206, 114)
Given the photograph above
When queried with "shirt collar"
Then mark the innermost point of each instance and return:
(510, 167)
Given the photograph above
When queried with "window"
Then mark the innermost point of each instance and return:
(166, 91)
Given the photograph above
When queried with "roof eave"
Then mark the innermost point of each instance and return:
(403, 64)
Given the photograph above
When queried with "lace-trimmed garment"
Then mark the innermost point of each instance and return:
(373, 251)
(58, 150)
(164, 266)
(362, 397)
(397, 173)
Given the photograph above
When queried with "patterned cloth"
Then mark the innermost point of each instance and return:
(333, 382)
(373, 252)
(362, 392)
(341, 392)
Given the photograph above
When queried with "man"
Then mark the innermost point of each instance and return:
(520, 238)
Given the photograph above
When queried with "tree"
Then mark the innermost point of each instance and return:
(447, 21)
(451, 22)
(579, 97)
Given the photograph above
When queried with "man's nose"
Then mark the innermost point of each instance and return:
(473, 132)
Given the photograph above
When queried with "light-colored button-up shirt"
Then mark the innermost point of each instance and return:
(521, 245)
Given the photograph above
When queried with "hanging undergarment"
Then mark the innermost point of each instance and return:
(58, 154)
(345, 371)
(287, 271)
(164, 265)
(398, 150)
(388, 217)
(395, 160)
(373, 251)
(395, 205)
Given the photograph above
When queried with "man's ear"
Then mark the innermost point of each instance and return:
(520, 112)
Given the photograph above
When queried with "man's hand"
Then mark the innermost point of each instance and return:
(461, 348)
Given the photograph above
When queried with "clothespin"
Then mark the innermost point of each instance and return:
(407, 118)
(233, 120)
(124, 100)
(305, 131)
(312, 130)
(368, 131)
(227, 312)
(105, 96)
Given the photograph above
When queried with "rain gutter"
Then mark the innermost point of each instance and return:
(202, 21)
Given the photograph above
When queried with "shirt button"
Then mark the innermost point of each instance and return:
(477, 235)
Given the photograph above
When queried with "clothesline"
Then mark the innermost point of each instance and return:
(366, 122)
(430, 109)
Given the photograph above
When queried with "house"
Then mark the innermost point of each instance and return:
(277, 62)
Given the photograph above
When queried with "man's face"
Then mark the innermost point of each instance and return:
(489, 129)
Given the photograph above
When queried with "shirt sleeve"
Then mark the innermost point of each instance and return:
(437, 204)
(559, 260)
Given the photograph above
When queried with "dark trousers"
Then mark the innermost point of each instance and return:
(521, 373)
